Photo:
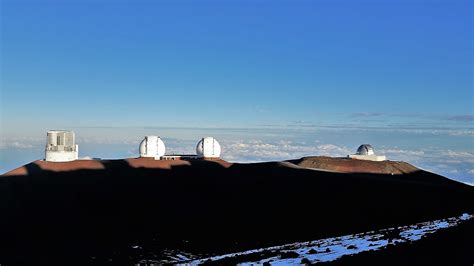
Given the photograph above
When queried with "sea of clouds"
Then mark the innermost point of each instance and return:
(447, 152)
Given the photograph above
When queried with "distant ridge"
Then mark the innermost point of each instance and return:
(346, 165)
(341, 165)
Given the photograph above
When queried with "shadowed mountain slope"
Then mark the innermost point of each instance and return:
(84, 209)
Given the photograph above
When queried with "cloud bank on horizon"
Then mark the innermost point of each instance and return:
(441, 152)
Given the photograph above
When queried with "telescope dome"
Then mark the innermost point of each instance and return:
(365, 149)
(208, 147)
(152, 146)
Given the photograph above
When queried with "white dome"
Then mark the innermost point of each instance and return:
(152, 146)
(208, 147)
(365, 149)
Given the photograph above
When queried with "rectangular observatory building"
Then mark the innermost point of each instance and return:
(61, 146)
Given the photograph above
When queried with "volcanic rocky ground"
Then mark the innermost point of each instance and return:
(95, 211)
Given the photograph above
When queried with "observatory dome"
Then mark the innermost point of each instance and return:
(152, 146)
(366, 152)
(208, 147)
(61, 146)
(365, 149)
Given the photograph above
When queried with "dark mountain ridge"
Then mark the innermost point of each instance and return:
(53, 211)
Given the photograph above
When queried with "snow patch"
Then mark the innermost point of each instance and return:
(328, 249)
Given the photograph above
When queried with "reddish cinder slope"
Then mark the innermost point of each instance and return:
(99, 165)
(347, 165)
(168, 164)
(58, 166)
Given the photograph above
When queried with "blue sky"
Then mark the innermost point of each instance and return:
(353, 65)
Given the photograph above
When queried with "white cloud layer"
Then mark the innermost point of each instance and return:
(17, 144)
(258, 150)
(451, 162)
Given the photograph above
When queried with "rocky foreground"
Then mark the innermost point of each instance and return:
(92, 211)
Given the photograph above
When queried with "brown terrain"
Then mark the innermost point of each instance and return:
(99, 165)
(347, 165)
(95, 211)
(324, 163)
